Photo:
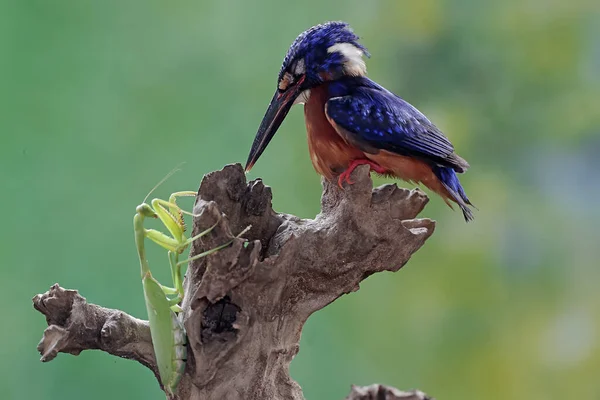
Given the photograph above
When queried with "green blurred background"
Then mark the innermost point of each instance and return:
(100, 99)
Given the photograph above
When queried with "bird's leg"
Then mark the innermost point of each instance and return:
(345, 176)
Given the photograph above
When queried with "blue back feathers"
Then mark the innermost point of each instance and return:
(380, 119)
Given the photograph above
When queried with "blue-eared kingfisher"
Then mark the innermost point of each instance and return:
(351, 120)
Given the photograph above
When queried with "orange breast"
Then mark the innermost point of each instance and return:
(329, 153)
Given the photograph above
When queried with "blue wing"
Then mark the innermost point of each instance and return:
(373, 119)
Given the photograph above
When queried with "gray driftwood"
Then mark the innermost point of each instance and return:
(245, 306)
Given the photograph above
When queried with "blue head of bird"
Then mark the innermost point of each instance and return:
(323, 53)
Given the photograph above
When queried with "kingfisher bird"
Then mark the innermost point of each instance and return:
(351, 120)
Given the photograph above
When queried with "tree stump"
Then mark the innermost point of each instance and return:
(245, 306)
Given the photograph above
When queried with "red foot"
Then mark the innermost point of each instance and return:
(345, 176)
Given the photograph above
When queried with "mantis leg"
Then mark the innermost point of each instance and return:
(209, 252)
(168, 290)
(173, 244)
(162, 240)
(176, 275)
(204, 254)
(198, 236)
(185, 193)
(171, 214)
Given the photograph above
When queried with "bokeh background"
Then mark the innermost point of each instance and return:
(100, 99)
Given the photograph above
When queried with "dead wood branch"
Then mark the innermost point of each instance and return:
(245, 306)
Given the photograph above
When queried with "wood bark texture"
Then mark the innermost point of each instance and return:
(245, 306)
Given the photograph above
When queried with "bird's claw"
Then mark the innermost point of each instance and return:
(344, 177)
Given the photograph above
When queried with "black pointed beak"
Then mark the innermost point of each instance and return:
(278, 108)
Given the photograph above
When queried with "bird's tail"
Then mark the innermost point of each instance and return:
(450, 181)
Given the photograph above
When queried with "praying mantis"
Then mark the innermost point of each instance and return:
(162, 302)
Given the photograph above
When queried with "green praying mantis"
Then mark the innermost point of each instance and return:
(162, 302)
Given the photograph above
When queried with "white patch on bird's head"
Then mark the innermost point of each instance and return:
(354, 64)
(299, 67)
(302, 97)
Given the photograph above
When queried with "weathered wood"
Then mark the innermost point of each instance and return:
(245, 306)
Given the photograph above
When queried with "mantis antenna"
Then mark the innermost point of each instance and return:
(164, 179)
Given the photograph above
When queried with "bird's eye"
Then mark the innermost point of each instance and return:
(285, 82)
